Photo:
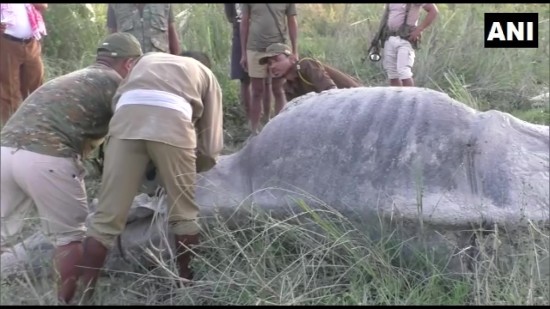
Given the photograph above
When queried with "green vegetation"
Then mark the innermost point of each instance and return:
(275, 262)
(451, 59)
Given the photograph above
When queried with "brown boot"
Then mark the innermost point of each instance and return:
(94, 258)
(184, 256)
(66, 260)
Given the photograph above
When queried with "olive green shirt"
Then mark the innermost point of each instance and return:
(263, 30)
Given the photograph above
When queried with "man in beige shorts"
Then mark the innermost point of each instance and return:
(43, 145)
(398, 57)
(168, 111)
(263, 24)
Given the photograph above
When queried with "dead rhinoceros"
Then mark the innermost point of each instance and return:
(385, 149)
(411, 156)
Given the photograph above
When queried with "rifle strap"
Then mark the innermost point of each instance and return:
(407, 9)
(276, 23)
(386, 14)
(300, 75)
(385, 18)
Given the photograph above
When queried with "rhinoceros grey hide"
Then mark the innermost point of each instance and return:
(391, 150)
(409, 154)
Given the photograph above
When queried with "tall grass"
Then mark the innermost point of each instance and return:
(317, 257)
(451, 58)
(325, 259)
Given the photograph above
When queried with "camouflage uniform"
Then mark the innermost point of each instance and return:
(59, 123)
(151, 28)
(67, 116)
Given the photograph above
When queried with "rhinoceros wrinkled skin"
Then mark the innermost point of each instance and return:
(408, 154)
(433, 168)
(370, 150)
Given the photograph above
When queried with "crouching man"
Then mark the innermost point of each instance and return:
(168, 111)
(43, 145)
(305, 75)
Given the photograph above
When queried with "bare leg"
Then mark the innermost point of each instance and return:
(408, 82)
(256, 103)
(266, 115)
(245, 96)
(279, 94)
(396, 82)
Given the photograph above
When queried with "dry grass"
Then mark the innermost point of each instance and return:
(270, 261)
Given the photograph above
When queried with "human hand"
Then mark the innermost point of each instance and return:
(40, 6)
(244, 63)
(415, 35)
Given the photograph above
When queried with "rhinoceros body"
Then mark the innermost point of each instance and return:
(391, 150)
(378, 153)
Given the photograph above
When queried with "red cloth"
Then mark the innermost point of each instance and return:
(35, 18)
(37, 22)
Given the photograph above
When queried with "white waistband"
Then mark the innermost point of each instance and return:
(156, 98)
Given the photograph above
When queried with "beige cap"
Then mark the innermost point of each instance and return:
(274, 50)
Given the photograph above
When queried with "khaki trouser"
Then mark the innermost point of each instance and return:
(21, 73)
(54, 185)
(398, 58)
(123, 170)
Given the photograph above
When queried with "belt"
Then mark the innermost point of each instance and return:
(12, 38)
(394, 33)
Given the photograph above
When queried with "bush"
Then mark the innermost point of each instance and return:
(451, 59)
(74, 32)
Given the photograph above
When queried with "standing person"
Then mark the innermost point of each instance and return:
(262, 25)
(233, 12)
(151, 23)
(43, 145)
(403, 36)
(168, 111)
(22, 70)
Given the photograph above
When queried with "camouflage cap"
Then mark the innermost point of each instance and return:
(120, 45)
(274, 50)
